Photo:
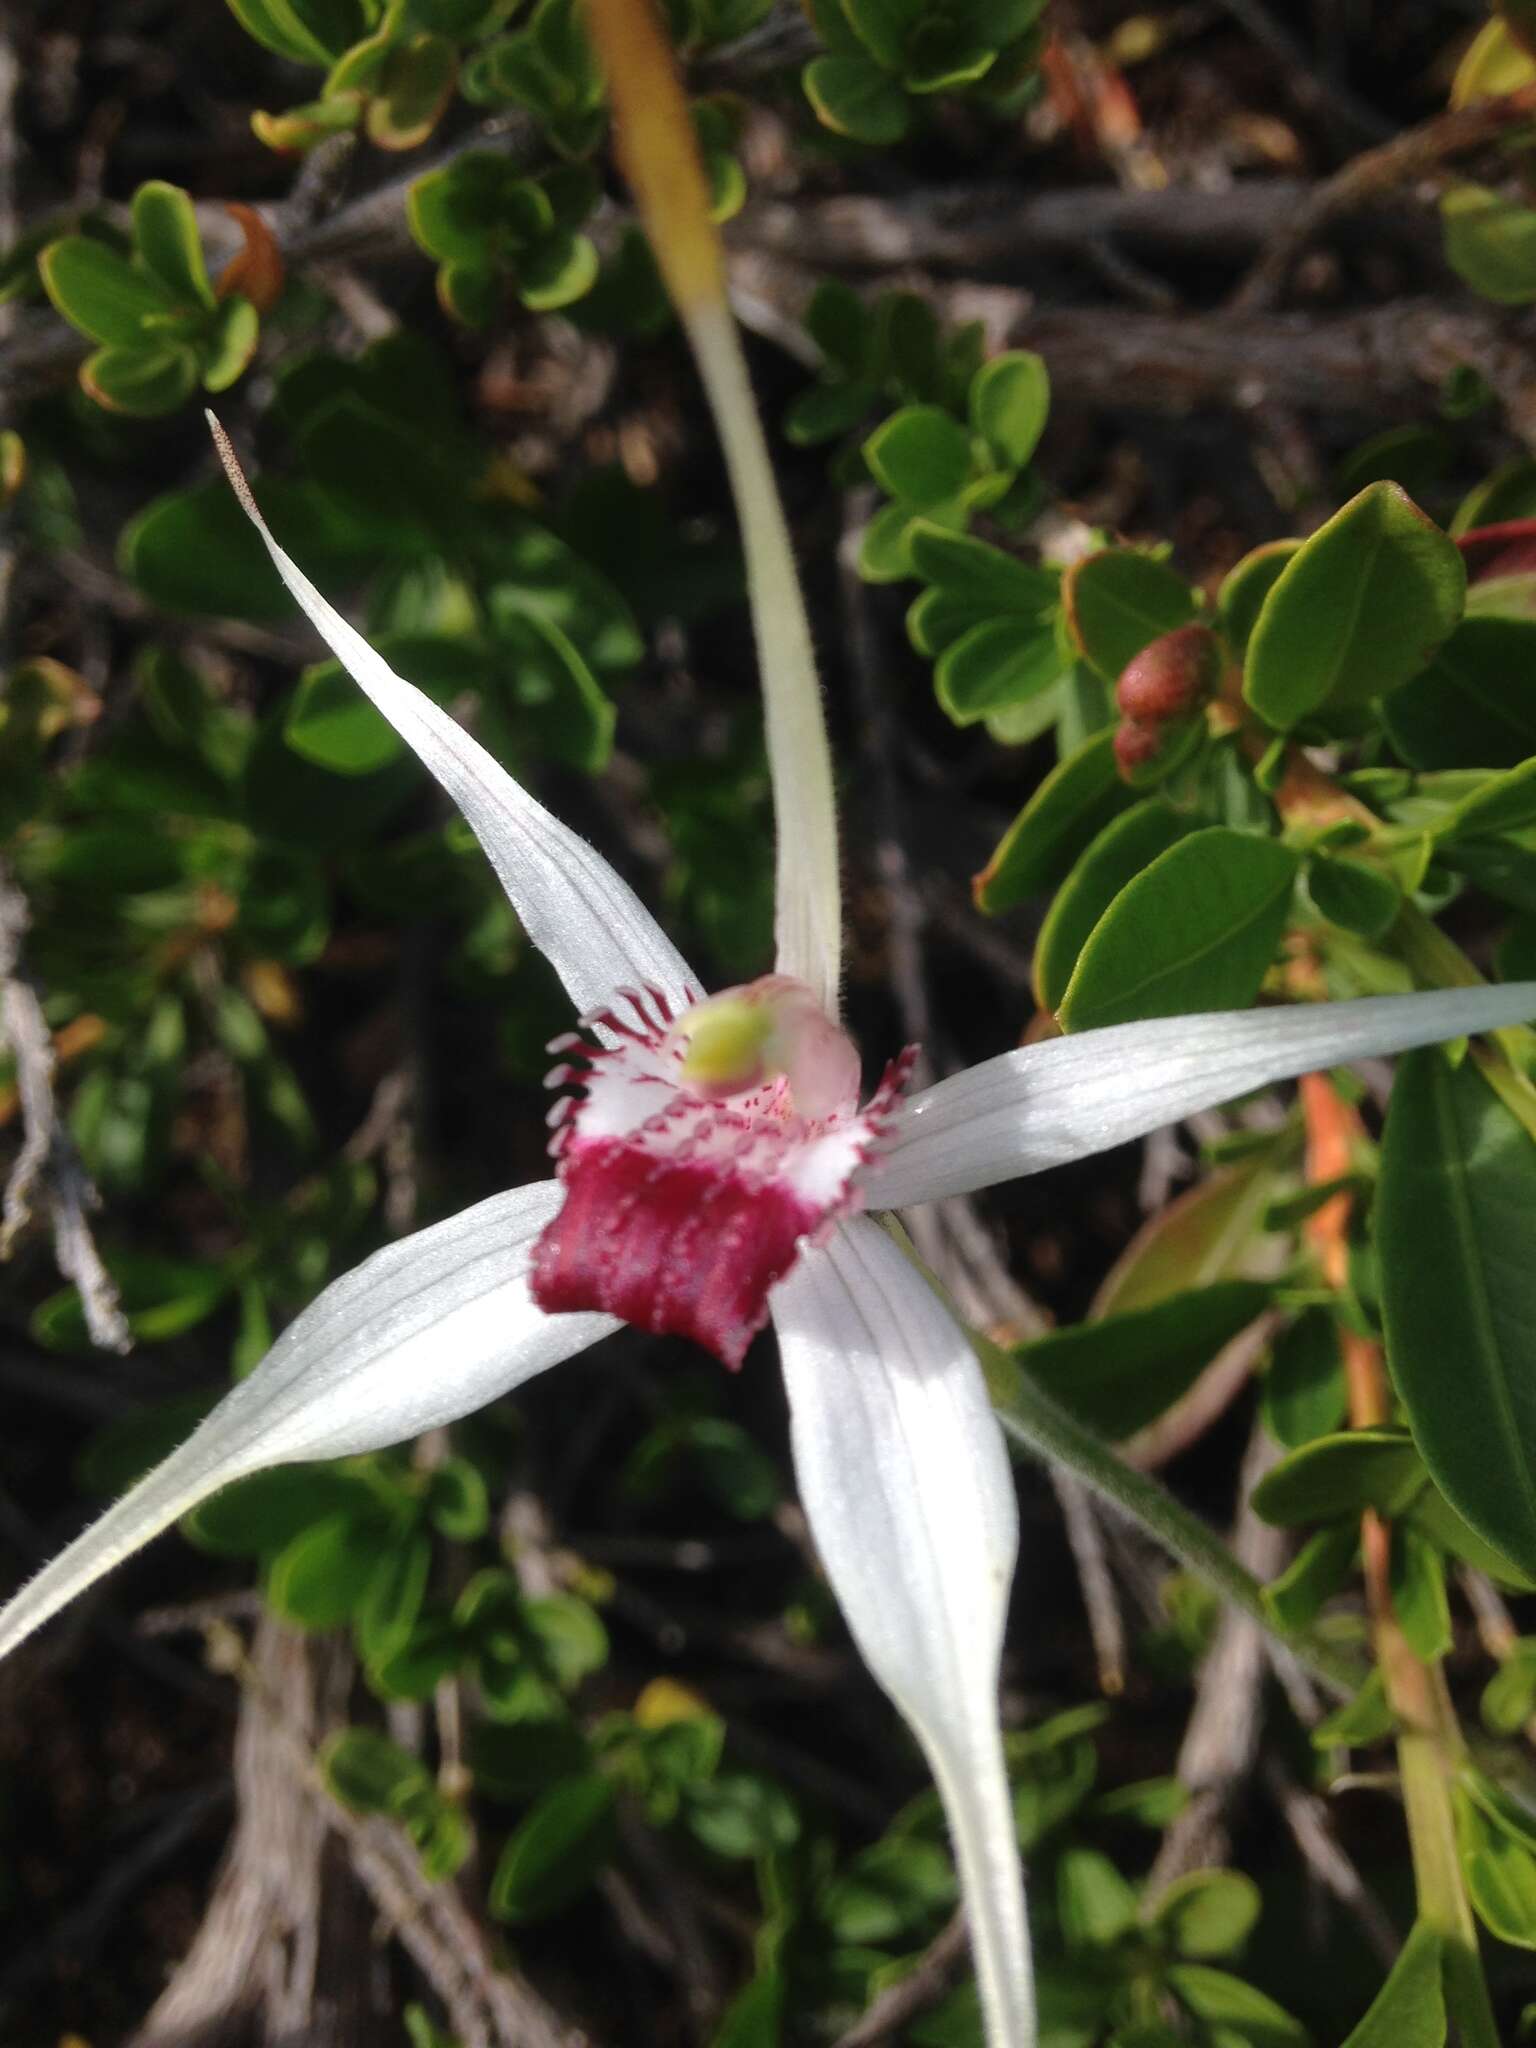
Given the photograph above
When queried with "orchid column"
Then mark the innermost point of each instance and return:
(921, 1571)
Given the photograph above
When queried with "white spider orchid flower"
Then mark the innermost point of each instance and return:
(710, 1169)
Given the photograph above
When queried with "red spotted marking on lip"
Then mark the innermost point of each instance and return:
(681, 1213)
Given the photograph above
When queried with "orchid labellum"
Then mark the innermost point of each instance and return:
(715, 1170)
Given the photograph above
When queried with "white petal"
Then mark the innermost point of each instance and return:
(906, 1486)
(807, 893)
(1069, 1097)
(423, 1332)
(587, 922)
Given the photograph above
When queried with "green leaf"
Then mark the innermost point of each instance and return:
(1095, 1904)
(102, 293)
(1500, 1874)
(1353, 894)
(518, 1760)
(1304, 1394)
(899, 1884)
(412, 90)
(1246, 585)
(146, 383)
(1243, 2013)
(1359, 608)
(1066, 813)
(920, 455)
(307, 31)
(570, 1636)
(230, 342)
(1121, 1372)
(1453, 1219)
(1361, 1722)
(195, 551)
(555, 272)
(558, 1850)
(987, 578)
(386, 1615)
(883, 27)
(1196, 930)
(1409, 2009)
(1504, 803)
(854, 97)
(320, 1578)
(457, 1503)
(740, 1814)
(836, 321)
(994, 665)
(1490, 241)
(259, 1516)
(1312, 1577)
(1207, 1913)
(826, 411)
(124, 1449)
(369, 1773)
(1010, 401)
(1127, 844)
(166, 239)
(1509, 1697)
(1418, 1594)
(330, 722)
(1340, 1476)
(1119, 601)
(1475, 704)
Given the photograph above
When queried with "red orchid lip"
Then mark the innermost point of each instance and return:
(681, 1210)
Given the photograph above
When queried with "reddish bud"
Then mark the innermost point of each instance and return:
(1178, 671)
(1136, 747)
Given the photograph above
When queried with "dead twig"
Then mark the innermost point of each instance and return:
(47, 1157)
(1221, 1741)
(923, 1985)
(1368, 177)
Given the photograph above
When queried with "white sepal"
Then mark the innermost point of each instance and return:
(423, 1332)
(1069, 1097)
(906, 1486)
(586, 920)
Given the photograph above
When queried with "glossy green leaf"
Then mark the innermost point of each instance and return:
(1119, 601)
(1341, 1475)
(920, 455)
(994, 665)
(556, 272)
(1409, 2009)
(146, 383)
(1509, 1697)
(331, 723)
(411, 92)
(1505, 803)
(1353, 894)
(1453, 1234)
(1196, 930)
(1126, 845)
(386, 1614)
(739, 1814)
(557, 1851)
(1066, 813)
(1360, 1722)
(1474, 706)
(1246, 585)
(307, 31)
(1304, 1393)
(1207, 1913)
(986, 577)
(854, 97)
(168, 245)
(1121, 1372)
(102, 293)
(1010, 401)
(1359, 608)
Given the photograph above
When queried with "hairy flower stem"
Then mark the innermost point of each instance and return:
(1040, 1426)
(1429, 1741)
(655, 142)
